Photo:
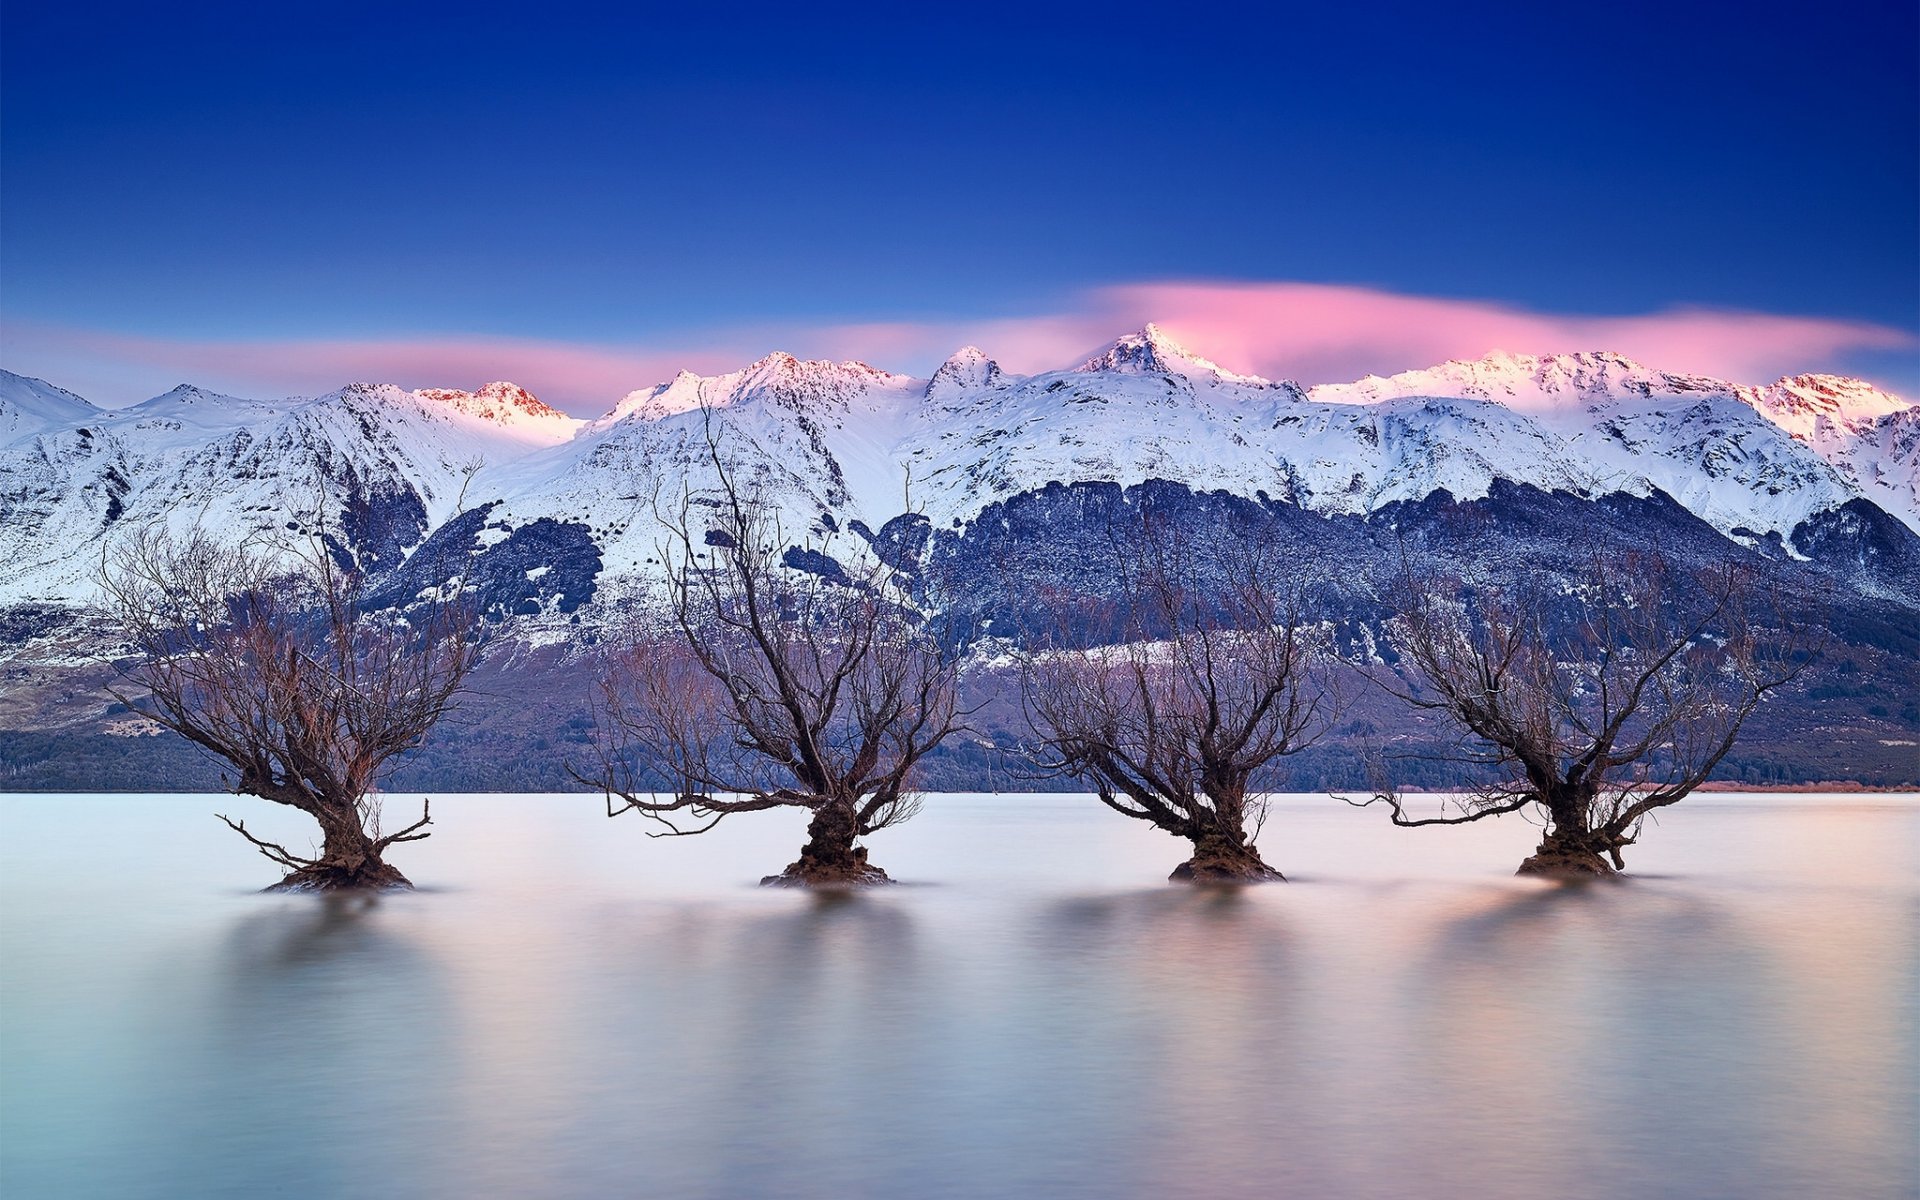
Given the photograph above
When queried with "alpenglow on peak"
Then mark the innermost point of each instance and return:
(967, 369)
(1153, 352)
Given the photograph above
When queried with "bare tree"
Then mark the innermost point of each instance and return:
(1592, 708)
(1216, 678)
(816, 686)
(271, 661)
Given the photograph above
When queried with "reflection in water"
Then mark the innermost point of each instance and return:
(1557, 1008)
(287, 945)
(580, 1022)
(1177, 1014)
(317, 1005)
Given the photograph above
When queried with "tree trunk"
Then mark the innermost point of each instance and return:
(1224, 857)
(1569, 850)
(349, 859)
(830, 859)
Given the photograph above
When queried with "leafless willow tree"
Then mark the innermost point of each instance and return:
(270, 660)
(775, 687)
(1592, 708)
(1216, 678)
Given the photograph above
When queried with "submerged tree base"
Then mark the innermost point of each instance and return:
(1561, 861)
(1225, 864)
(829, 867)
(349, 862)
(333, 877)
(798, 875)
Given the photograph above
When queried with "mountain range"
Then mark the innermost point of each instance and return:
(554, 520)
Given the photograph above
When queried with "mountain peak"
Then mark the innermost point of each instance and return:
(511, 397)
(1842, 394)
(29, 406)
(1148, 352)
(1808, 406)
(683, 393)
(810, 378)
(967, 369)
(505, 404)
(188, 395)
(777, 362)
(1152, 351)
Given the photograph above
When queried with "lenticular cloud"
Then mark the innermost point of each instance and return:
(1320, 333)
(1308, 332)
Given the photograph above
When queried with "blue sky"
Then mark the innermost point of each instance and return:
(179, 180)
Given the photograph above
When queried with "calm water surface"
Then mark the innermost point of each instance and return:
(573, 1009)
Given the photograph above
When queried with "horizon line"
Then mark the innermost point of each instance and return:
(1305, 333)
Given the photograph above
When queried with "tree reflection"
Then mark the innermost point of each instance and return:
(1176, 1014)
(799, 1031)
(1554, 1012)
(326, 1019)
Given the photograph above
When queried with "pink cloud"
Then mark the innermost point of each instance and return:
(1320, 333)
(114, 368)
(1313, 333)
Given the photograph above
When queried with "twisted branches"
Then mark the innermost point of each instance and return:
(1597, 705)
(270, 659)
(773, 686)
(1218, 676)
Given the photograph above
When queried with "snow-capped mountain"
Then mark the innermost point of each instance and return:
(1616, 425)
(1003, 493)
(388, 462)
(33, 406)
(506, 408)
(846, 446)
(1871, 438)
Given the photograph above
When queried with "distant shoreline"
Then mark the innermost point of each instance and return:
(1846, 787)
(1730, 785)
(1719, 785)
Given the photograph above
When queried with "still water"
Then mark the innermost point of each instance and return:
(569, 1008)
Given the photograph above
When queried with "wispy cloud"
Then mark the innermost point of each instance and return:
(1321, 333)
(1310, 332)
(114, 368)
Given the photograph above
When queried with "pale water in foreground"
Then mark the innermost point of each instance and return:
(572, 1009)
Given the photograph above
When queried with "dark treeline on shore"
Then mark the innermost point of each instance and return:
(473, 760)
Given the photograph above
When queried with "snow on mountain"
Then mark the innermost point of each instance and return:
(966, 371)
(388, 462)
(1153, 352)
(1883, 460)
(1526, 382)
(819, 439)
(187, 406)
(1740, 457)
(1812, 406)
(1587, 424)
(1354, 460)
(1872, 438)
(682, 393)
(835, 443)
(509, 408)
(1142, 409)
(33, 406)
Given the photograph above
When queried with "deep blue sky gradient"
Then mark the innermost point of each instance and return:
(552, 170)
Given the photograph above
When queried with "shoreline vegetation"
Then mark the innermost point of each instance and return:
(1786, 789)
(1715, 786)
(1842, 787)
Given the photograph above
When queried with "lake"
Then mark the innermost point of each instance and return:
(569, 1008)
